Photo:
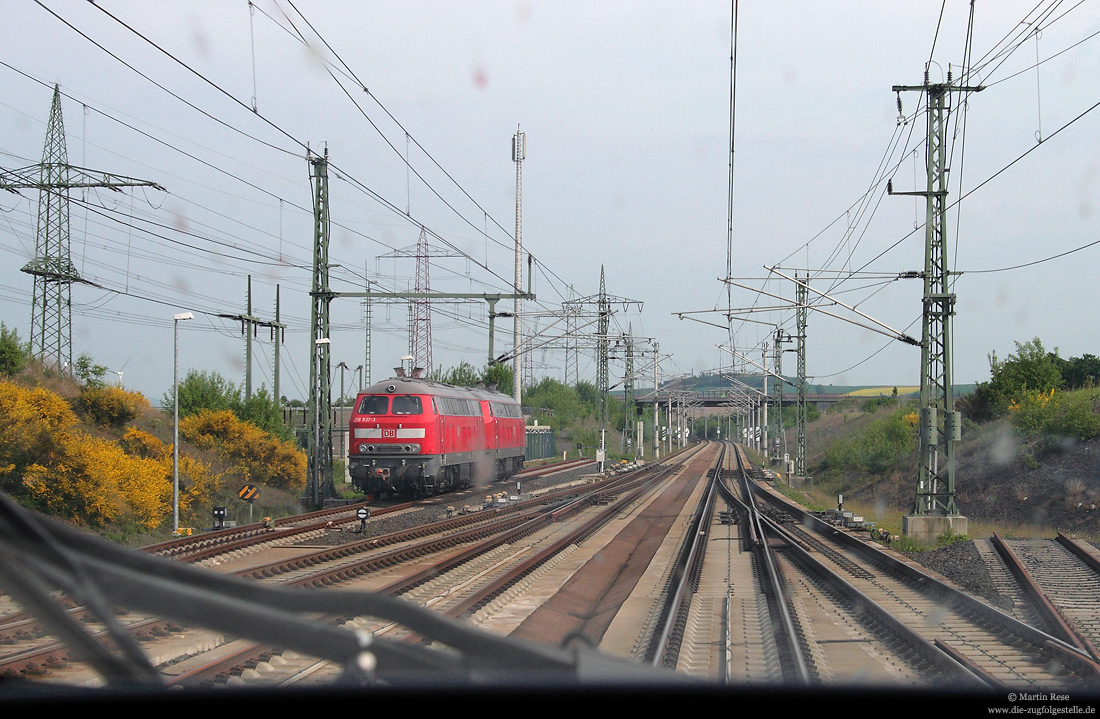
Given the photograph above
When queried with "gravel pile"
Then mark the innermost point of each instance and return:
(961, 563)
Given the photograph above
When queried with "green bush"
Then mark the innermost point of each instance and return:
(948, 538)
(13, 353)
(1058, 414)
(203, 390)
(878, 448)
(88, 372)
(1030, 371)
(1075, 415)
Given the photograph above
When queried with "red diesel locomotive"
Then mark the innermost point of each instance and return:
(414, 436)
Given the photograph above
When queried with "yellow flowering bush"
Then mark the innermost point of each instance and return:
(139, 443)
(254, 454)
(95, 482)
(32, 423)
(49, 463)
(110, 406)
(1066, 414)
(198, 484)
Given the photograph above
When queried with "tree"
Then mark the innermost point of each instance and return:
(561, 402)
(88, 372)
(588, 394)
(210, 391)
(464, 375)
(262, 410)
(203, 390)
(1030, 369)
(13, 353)
(499, 375)
(1081, 371)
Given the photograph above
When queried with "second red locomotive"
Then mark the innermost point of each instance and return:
(415, 436)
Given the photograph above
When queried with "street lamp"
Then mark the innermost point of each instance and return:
(342, 366)
(176, 419)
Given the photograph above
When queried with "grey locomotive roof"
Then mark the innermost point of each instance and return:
(415, 385)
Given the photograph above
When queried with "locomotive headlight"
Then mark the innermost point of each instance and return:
(364, 448)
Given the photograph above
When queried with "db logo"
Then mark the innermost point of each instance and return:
(389, 433)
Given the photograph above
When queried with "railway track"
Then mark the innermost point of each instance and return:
(213, 544)
(462, 582)
(983, 642)
(28, 649)
(1065, 593)
(332, 565)
(668, 566)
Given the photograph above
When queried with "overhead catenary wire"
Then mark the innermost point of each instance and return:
(284, 260)
(335, 167)
(409, 137)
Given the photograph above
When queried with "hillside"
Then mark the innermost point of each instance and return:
(100, 457)
(1005, 480)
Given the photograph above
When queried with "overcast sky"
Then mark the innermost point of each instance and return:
(626, 110)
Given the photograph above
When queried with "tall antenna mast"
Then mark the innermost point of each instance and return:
(519, 154)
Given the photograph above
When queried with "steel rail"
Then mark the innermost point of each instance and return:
(928, 652)
(1041, 601)
(1079, 551)
(773, 582)
(928, 585)
(486, 594)
(256, 650)
(690, 554)
(239, 537)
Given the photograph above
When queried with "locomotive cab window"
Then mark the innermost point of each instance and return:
(374, 404)
(407, 405)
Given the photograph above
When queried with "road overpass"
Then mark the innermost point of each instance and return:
(720, 397)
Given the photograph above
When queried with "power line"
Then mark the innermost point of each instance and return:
(336, 168)
(162, 87)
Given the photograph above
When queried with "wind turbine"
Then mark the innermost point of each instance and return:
(119, 371)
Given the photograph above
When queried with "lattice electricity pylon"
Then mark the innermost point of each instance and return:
(572, 348)
(52, 267)
(575, 319)
(529, 356)
(422, 309)
(603, 303)
(780, 446)
(420, 312)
